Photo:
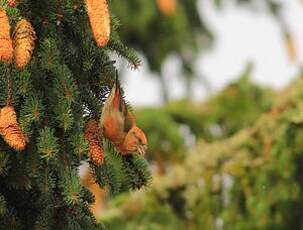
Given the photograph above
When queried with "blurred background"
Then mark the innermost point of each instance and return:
(220, 97)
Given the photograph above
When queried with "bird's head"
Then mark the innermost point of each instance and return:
(136, 140)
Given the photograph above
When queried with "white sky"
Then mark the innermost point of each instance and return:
(241, 35)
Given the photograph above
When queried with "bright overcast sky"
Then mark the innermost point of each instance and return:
(241, 35)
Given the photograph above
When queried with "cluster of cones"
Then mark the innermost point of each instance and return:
(21, 46)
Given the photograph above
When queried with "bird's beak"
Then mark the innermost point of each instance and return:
(142, 149)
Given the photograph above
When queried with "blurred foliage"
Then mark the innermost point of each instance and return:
(172, 129)
(245, 169)
(251, 180)
(235, 107)
(136, 212)
(163, 132)
(159, 28)
(181, 30)
(157, 34)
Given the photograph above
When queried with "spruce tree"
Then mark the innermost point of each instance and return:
(56, 71)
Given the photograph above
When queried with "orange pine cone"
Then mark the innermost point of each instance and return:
(24, 43)
(10, 129)
(12, 3)
(92, 134)
(6, 47)
(99, 18)
(167, 7)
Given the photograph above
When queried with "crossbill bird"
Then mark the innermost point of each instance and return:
(119, 125)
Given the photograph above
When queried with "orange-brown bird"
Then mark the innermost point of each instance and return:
(119, 125)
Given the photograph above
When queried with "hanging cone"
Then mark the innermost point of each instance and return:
(99, 18)
(12, 3)
(24, 43)
(6, 47)
(10, 129)
(167, 7)
(92, 134)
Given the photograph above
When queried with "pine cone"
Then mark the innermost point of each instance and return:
(24, 43)
(6, 47)
(12, 3)
(10, 129)
(92, 134)
(99, 18)
(167, 7)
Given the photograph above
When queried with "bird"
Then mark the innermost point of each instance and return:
(119, 125)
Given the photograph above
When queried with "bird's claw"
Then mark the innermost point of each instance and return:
(142, 149)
